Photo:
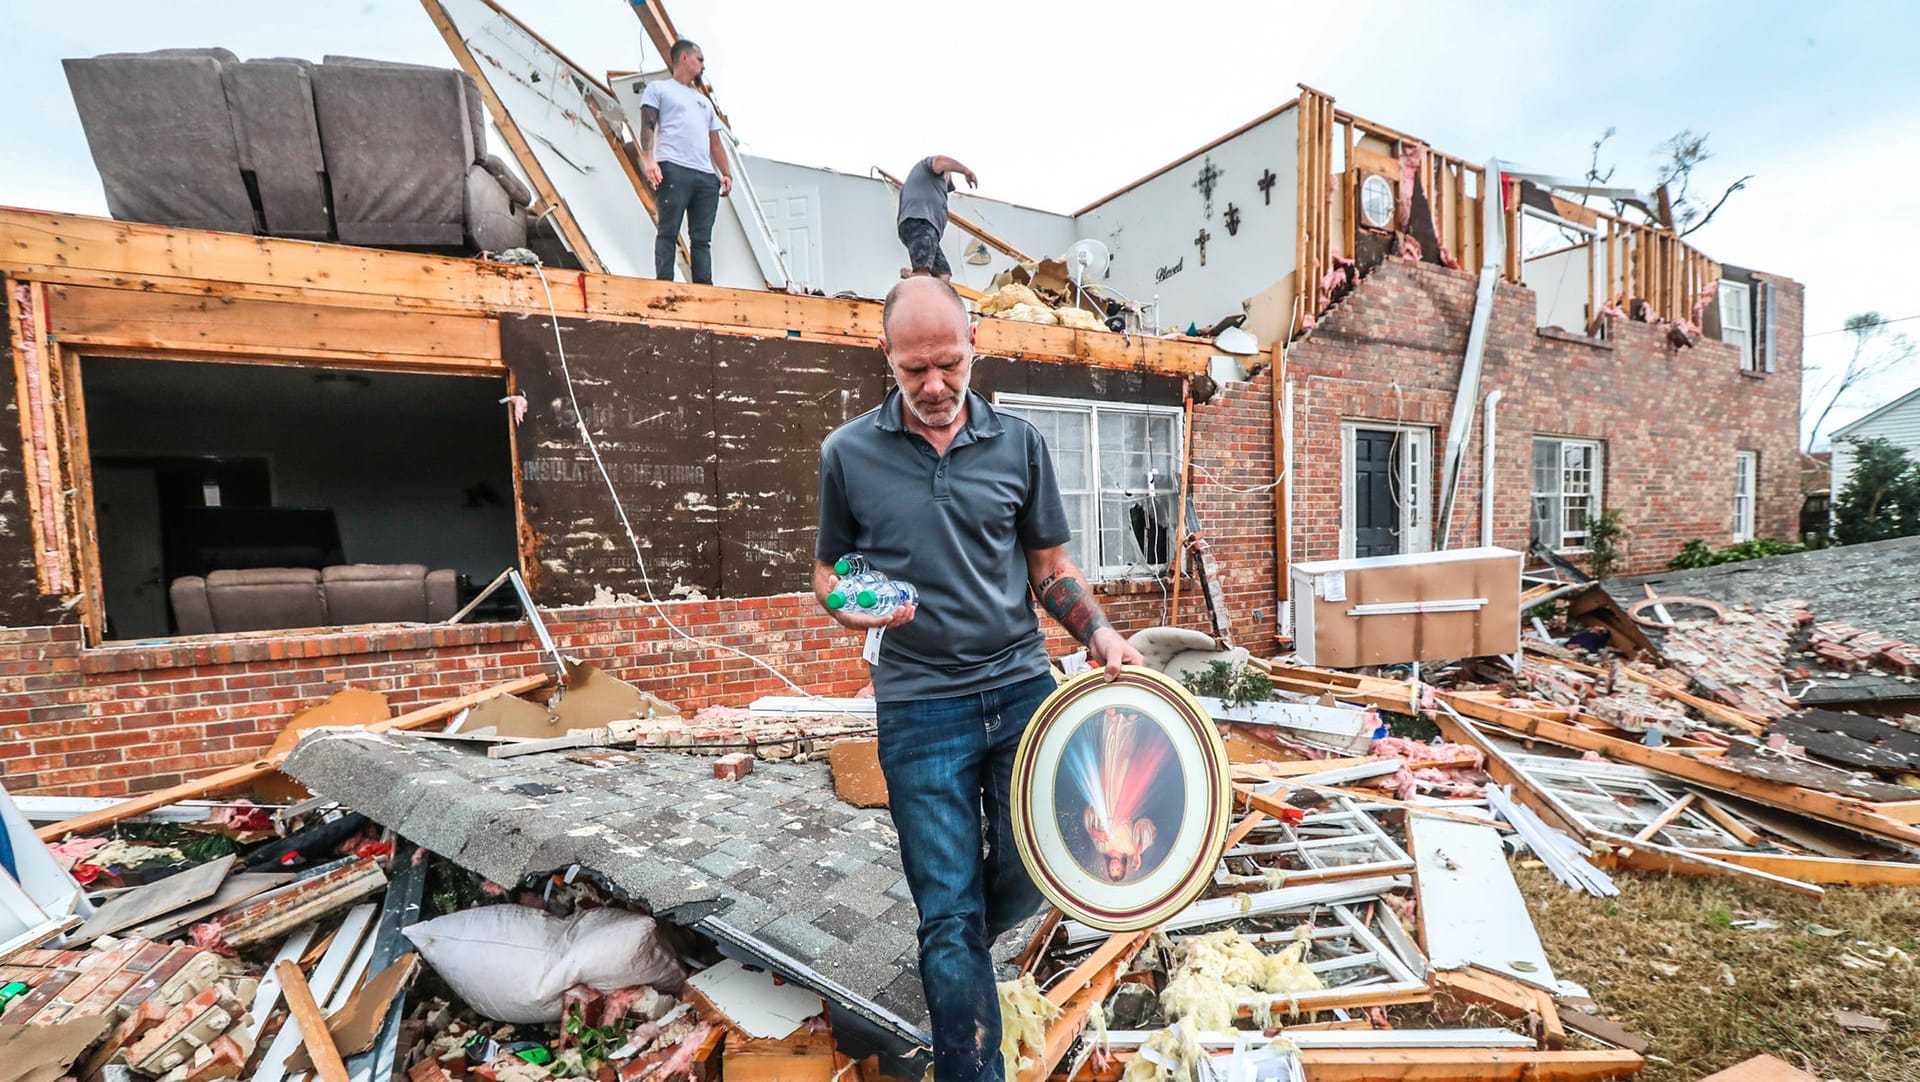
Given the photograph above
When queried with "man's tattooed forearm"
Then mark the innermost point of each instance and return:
(1067, 599)
(649, 120)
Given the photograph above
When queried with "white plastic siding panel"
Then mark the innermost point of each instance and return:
(1899, 426)
(1151, 229)
(1560, 283)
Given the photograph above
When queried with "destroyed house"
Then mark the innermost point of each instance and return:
(252, 469)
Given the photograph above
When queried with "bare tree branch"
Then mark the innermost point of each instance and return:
(1865, 362)
(1737, 185)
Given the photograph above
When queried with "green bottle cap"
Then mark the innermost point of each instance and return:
(866, 598)
(841, 566)
(836, 600)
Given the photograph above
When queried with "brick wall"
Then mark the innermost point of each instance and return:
(1670, 419)
(131, 719)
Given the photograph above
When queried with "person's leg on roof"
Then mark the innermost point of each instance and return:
(701, 209)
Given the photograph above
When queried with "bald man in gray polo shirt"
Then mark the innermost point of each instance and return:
(939, 489)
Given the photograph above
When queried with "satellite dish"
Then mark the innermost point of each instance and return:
(1238, 341)
(1088, 261)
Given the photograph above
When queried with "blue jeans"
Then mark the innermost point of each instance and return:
(694, 196)
(949, 763)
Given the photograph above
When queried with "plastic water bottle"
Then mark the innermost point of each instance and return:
(852, 563)
(878, 597)
(851, 587)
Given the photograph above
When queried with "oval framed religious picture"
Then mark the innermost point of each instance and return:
(1121, 798)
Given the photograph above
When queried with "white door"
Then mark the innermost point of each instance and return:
(126, 502)
(793, 214)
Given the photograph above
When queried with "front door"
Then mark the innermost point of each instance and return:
(1376, 504)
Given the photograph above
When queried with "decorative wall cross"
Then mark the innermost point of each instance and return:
(1265, 184)
(1233, 220)
(1201, 243)
(1209, 175)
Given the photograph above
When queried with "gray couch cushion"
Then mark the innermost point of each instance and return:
(272, 105)
(162, 137)
(191, 616)
(398, 140)
(375, 593)
(493, 223)
(265, 598)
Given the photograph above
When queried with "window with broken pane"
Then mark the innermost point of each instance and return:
(1566, 491)
(1118, 471)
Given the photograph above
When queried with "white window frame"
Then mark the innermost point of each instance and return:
(1414, 467)
(1088, 528)
(1746, 485)
(1736, 320)
(1594, 494)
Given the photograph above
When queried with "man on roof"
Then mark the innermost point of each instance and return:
(684, 158)
(923, 214)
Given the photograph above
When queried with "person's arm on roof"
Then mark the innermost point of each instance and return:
(942, 165)
(718, 146)
(649, 126)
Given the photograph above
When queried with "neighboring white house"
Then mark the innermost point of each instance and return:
(1897, 422)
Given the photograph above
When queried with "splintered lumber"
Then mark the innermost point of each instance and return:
(245, 774)
(1399, 696)
(313, 1025)
(1839, 811)
(302, 902)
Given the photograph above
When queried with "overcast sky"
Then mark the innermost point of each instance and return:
(1056, 104)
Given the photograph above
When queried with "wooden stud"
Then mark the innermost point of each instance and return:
(1832, 871)
(1660, 822)
(156, 322)
(313, 1024)
(1439, 1065)
(516, 142)
(1176, 560)
(78, 509)
(1283, 481)
(1730, 822)
(215, 267)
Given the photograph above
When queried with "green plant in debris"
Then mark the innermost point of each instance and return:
(1547, 612)
(1604, 534)
(1720, 915)
(1882, 495)
(595, 1043)
(1237, 685)
(197, 846)
(1697, 553)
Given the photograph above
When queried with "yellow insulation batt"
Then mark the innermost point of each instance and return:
(1213, 973)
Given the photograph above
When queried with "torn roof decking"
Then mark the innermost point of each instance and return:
(1874, 587)
(773, 863)
(82, 250)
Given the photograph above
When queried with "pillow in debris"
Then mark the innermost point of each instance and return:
(1006, 297)
(513, 964)
(1080, 318)
(1030, 313)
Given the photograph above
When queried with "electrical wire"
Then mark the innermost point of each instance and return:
(1862, 327)
(620, 508)
(1246, 489)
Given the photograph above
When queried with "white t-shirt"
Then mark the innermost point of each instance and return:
(686, 116)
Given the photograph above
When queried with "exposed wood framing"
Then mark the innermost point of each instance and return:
(37, 376)
(80, 250)
(1282, 479)
(1313, 244)
(77, 509)
(522, 151)
(258, 330)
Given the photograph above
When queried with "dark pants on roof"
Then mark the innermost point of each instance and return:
(948, 761)
(692, 195)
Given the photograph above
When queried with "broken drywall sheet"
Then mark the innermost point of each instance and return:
(1470, 906)
(754, 1002)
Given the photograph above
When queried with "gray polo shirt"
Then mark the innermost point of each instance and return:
(923, 195)
(956, 527)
